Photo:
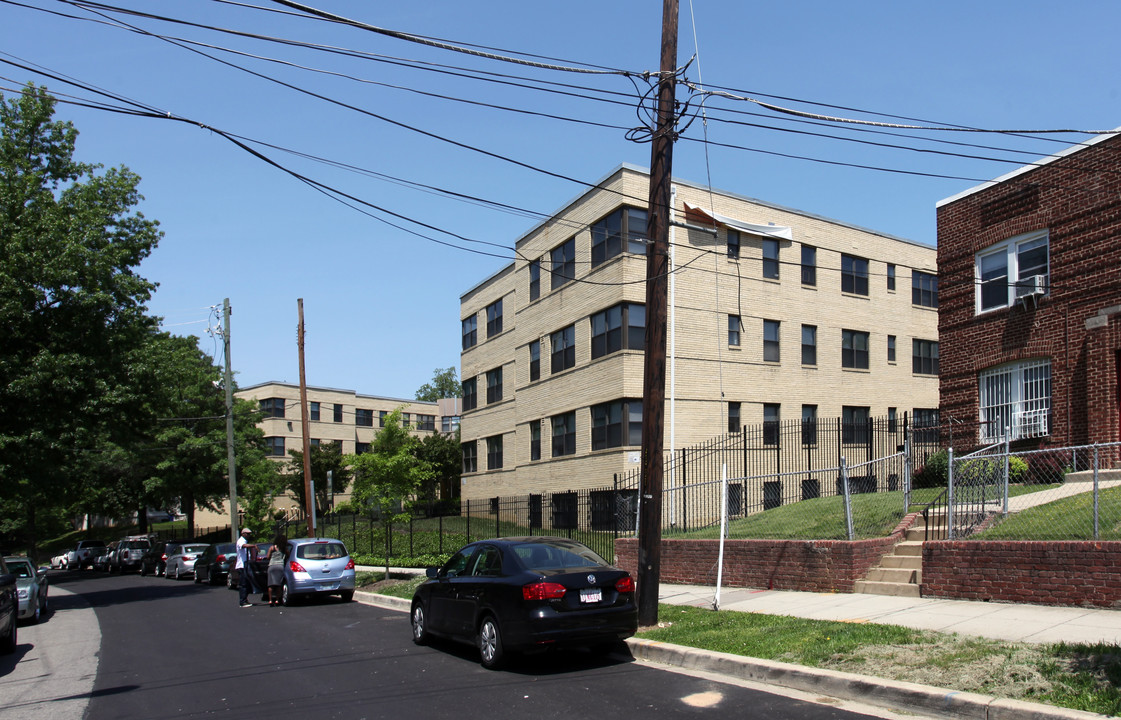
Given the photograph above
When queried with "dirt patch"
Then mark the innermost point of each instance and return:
(377, 587)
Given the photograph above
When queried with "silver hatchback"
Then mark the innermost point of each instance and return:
(317, 566)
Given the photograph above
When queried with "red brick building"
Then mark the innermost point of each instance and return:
(1029, 325)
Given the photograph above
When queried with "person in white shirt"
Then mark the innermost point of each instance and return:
(245, 583)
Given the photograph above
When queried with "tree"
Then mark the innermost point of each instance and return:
(71, 304)
(386, 478)
(444, 456)
(327, 457)
(444, 384)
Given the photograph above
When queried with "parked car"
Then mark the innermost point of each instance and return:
(128, 554)
(213, 564)
(525, 593)
(31, 587)
(9, 610)
(259, 565)
(181, 562)
(81, 556)
(317, 566)
(58, 562)
(101, 560)
(155, 559)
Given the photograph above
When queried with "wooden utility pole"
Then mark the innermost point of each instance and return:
(228, 381)
(654, 369)
(305, 427)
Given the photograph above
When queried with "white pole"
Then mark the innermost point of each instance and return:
(723, 533)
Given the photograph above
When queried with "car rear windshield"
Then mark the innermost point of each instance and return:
(321, 551)
(138, 545)
(193, 548)
(539, 556)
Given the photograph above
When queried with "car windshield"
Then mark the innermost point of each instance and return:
(19, 568)
(540, 556)
(321, 551)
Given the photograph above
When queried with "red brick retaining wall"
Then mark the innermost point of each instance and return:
(809, 565)
(1048, 573)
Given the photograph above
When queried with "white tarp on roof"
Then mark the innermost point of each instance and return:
(696, 214)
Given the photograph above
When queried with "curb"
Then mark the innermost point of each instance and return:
(383, 601)
(891, 694)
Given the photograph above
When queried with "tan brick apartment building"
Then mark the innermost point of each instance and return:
(778, 315)
(1030, 323)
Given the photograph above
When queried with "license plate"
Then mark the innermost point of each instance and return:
(591, 596)
(328, 586)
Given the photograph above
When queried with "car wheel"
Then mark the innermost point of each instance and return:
(8, 644)
(419, 623)
(210, 577)
(286, 598)
(347, 595)
(490, 643)
(38, 613)
(176, 576)
(230, 580)
(143, 570)
(197, 578)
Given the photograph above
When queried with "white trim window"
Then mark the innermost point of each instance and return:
(1024, 258)
(1016, 398)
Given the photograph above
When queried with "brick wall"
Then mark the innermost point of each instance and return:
(1048, 573)
(807, 565)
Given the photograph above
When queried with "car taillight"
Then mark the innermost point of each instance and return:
(220, 558)
(295, 567)
(349, 565)
(625, 585)
(163, 557)
(543, 591)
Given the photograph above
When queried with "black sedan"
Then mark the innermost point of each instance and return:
(214, 564)
(522, 594)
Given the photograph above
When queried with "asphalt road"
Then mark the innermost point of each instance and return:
(179, 650)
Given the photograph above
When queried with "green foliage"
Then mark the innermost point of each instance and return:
(935, 473)
(327, 457)
(444, 456)
(72, 307)
(444, 384)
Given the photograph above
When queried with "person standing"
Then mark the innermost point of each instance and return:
(245, 583)
(277, 554)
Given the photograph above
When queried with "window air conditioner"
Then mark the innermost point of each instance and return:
(1031, 286)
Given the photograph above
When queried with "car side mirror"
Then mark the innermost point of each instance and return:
(431, 572)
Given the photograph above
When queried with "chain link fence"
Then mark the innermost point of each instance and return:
(1070, 493)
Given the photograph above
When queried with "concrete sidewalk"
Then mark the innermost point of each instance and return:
(999, 621)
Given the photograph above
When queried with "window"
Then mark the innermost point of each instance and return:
(771, 341)
(924, 357)
(734, 326)
(535, 360)
(771, 423)
(735, 423)
(535, 440)
(809, 265)
(1025, 258)
(564, 434)
(534, 280)
(924, 289)
(733, 244)
(564, 349)
(449, 423)
(891, 348)
(854, 349)
(616, 424)
(770, 259)
(470, 394)
(313, 442)
(891, 277)
(809, 424)
(892, 420)
(608, 235)
(809, 345)
(494, 385)
(382, 415)
(494, 452)
(272, 407)
(854, 425)
(494, 318)
(364, 418)
(618, 328)
(1016, 398)
(274, 446)
(563, 259)
(470, 332)
(426, 422)
(854, 275)
(926, 425)
(313, 411)
(404, 420)
(361, 447)
(470, 457)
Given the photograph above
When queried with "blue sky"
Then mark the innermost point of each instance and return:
(382, 304)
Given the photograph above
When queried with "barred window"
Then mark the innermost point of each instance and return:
(1015, 398)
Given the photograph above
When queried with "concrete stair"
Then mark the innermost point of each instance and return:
(900, 572)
